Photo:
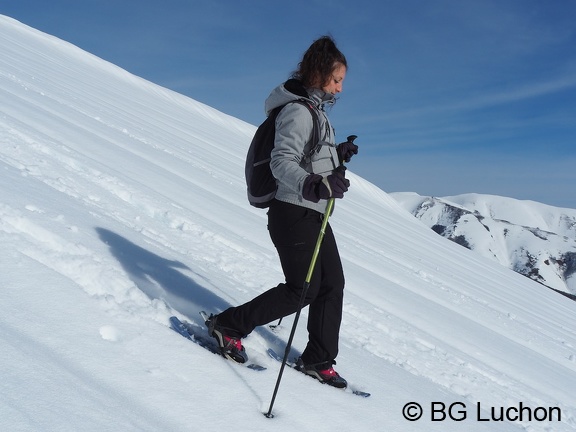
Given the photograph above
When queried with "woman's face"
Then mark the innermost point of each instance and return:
(334, 84)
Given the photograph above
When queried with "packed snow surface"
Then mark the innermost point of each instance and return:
(123, 203)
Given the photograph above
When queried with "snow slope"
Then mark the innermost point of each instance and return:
(123, 203)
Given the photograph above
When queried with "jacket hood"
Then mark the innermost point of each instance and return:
(293, 90)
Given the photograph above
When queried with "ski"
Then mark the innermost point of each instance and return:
(350, 389)
(190, 332)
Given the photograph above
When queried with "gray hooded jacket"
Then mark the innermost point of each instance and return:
(292, 144)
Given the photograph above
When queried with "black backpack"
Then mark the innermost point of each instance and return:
(259, 179)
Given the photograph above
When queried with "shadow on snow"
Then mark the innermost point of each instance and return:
(162, 279)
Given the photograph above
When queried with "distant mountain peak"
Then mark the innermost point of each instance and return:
(533, 239)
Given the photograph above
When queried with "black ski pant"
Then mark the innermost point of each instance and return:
(294, 231)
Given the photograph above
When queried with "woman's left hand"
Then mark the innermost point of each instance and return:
(346, 150)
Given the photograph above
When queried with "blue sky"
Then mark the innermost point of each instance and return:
(447, 96)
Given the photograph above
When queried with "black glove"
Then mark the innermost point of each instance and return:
(346, 150)
(317, 187)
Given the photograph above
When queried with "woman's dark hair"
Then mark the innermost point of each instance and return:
(318, 62)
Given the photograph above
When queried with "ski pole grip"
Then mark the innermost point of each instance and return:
(351, 139)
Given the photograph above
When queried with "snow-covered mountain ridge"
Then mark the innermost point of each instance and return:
(123, 203)
(533, 239)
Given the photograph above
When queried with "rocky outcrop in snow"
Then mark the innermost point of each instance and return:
(533, 239)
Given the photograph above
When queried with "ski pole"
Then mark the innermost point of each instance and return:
(301, 303)
(327, 214)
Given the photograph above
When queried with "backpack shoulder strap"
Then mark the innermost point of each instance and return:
(315, 124)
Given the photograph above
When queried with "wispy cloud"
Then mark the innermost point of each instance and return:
(464, 102)
(547, 179)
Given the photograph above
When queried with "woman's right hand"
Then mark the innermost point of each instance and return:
(317, 187)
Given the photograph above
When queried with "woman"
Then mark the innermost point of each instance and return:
(305, 183)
